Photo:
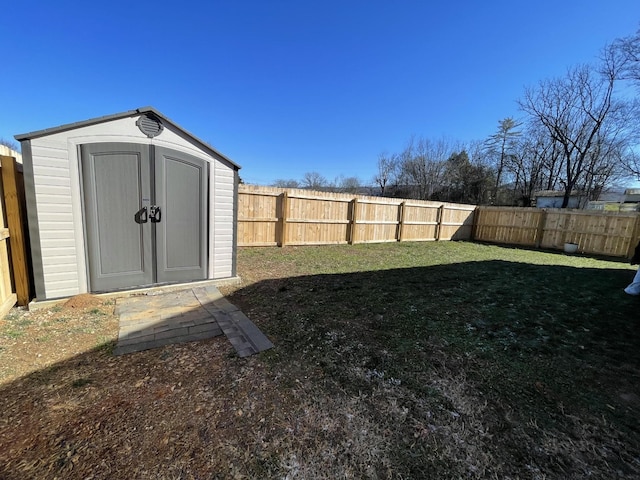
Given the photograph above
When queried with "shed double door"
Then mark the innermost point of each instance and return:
(145, 211)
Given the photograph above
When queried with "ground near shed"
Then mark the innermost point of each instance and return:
(427, 360)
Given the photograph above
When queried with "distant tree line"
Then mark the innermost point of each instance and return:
(579, 134)
(10, 144)
(316, 181)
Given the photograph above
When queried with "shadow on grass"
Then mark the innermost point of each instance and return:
(492, 362)
(477, 306)
(538, 343)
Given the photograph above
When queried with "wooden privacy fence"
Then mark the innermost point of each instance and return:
(14, 269)
(270, 216)
(274, 216)
(602, 233)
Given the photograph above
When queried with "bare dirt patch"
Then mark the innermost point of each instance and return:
(31, 340)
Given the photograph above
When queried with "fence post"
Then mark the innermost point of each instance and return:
(17, 240)
(634, 234)
(403, 208)
(353, 221)
(439, 221)
(474, 224)
(7, 296)
(284, 207)
(540, 230)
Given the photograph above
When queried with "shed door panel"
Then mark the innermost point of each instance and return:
(119, 179)
(181, 236)
(116, 179)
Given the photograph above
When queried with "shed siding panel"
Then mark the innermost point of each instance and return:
(57, 199)
(53, 235)
(60, 260)
(60, 292)
(47, 162)
(59, 246)
(55, 208)
(223, 220)
(53, 181)
(61, 268)
(59, 278)
(52, 185)
(53, 190)
(46, 152)
(51, 171)
(56, 226)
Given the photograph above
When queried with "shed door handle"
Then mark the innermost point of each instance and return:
(155, 214)
(141, 215)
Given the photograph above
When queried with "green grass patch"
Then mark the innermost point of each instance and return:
(538, 339)
(22, 323)
(106, 345)
(15, 325)
(13, 334)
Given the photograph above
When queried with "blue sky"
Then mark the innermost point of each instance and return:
(288, 87)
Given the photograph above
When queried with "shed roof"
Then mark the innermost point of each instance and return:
(131, 113)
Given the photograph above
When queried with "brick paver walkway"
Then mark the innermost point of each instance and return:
(153, 320)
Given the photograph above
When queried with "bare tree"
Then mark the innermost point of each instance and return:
(626, 51)
(10, 144)
(606, 163)
(573, 110)
(314, 181)
(534, 165)
(501, 146)
(632, 163)
(286, 183)
(387, 171)
(423, 166)
(349, 184)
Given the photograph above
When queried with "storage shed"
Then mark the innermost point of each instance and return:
(124, 201)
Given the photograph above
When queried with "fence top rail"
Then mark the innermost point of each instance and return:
(391, 203)
(318, 198)
(335, 221)
(448, 206)
(258, 219)
(567, 211)
(592, 213)
(418, 205)
(513, 209)
(256, 192)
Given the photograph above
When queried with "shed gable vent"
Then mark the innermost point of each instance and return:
(150, 125)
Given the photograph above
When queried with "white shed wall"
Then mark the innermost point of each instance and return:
(57, 191)
(221, 210)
